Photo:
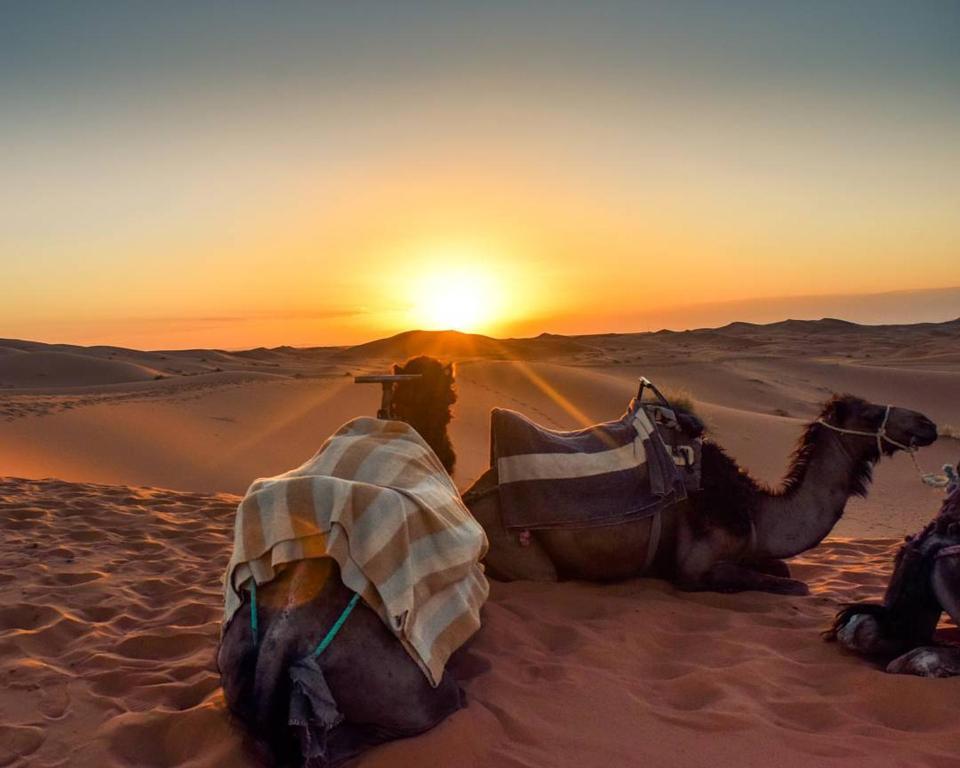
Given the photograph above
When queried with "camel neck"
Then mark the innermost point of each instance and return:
(801, 514)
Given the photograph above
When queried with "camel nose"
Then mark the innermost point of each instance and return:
(926, 431)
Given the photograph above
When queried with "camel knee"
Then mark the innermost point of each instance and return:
(861, 633)
(927, 661)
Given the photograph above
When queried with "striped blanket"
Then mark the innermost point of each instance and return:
(377, 500)
(602, 475)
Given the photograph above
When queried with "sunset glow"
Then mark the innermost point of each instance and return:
(454, 287)
(455, 300)
(348, 173)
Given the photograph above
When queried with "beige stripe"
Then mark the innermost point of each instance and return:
(387, 556)
(434, 582)
(560, 466)
(455, 634)
(351, 460)
(446, 548)
(250, 529)
(444, 608)
(300, 503)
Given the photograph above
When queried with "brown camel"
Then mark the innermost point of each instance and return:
(379, 690)
(925, 582)
(733, 534)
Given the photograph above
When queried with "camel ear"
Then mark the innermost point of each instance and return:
(396, 368)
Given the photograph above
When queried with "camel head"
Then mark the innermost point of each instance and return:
(690, 424)
(426, 403)
(896, 426)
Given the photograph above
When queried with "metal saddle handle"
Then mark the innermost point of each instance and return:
(645, 383)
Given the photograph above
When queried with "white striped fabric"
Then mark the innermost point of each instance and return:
(558, 466)
(377, 500)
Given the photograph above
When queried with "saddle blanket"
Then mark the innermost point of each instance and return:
(601, 475)
(377, 500)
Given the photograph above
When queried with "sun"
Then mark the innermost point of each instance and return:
(463, 298)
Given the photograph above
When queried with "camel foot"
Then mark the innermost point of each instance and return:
(927, 661)
(733, 577)
(861, 634)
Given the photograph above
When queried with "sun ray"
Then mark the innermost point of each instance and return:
(552, 392)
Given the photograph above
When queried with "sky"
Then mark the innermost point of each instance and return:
(247, 173)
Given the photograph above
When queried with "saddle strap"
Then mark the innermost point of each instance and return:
(951, 551)
(653, 544)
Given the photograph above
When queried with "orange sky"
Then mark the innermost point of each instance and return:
(343, 175)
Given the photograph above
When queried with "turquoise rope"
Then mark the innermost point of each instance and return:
(336, 627)
(328, 638)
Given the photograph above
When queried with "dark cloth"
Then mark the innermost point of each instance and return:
(312, 708)
(602, 475)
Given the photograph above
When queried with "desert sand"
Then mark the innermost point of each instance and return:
(110, 595)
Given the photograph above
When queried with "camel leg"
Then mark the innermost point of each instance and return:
(931, 660)
(864, 629)
(927, 661)
(732, 577)
(771, 566)
(945, 580)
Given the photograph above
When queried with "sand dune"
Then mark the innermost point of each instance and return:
(110, 595)
(109, 609)
(59, 369)
(217, 419)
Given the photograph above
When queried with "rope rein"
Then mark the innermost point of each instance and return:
(928, 478)
(327, 639)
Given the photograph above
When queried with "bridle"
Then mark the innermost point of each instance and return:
(880, 434)
(928, 478)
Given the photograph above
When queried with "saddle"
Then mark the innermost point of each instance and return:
(610, 473)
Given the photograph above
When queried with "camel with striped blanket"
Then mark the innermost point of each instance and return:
(312, 670)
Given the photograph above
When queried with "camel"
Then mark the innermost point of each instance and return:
(378, 688)
(925, 582)
(735, 533)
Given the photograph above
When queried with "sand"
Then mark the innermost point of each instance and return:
(109, 617)
(110, 591)
(217, 420)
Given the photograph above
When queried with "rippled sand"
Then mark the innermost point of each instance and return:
(109, 618)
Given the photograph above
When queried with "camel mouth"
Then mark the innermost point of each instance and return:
(925, 434)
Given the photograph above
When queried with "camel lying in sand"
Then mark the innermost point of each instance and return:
(729, 536)
(925, 582)
(732, 535)
(378, 688)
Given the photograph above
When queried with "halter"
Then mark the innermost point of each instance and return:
(880, 434)
(928, 478)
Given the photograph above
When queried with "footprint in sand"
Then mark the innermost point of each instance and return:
(25, 616)
(54, 702)
(18, 741)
